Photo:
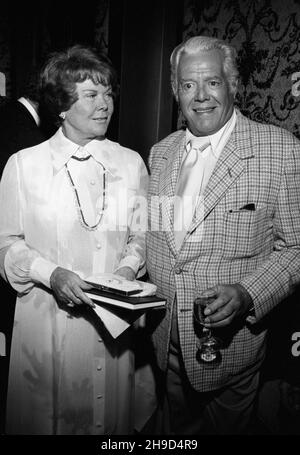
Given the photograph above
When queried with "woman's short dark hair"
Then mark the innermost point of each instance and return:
(65, 68)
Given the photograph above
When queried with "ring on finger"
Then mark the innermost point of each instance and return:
(70, 303)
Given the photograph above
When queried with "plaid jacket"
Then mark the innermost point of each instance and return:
(258, 248)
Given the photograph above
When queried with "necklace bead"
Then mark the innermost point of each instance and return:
(81, 217)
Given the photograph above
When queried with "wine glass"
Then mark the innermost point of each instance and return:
(208, 345)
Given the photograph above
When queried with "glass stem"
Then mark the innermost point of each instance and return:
(207, 332)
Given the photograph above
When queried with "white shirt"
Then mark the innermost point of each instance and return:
(31, 109)
(67, 375)
(210, 156)
(198, 177)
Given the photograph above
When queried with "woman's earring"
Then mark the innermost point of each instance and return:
(62, 115)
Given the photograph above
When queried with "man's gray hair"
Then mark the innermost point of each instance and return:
(205, 43)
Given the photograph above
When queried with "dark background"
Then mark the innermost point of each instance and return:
(139, 36)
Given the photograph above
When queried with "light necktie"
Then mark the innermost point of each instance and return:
(188, 187)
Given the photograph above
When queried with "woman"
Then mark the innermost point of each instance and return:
(72, 206)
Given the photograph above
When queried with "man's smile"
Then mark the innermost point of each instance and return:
(202, 110)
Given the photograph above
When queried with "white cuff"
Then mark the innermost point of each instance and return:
(41, 270)
(130, 261)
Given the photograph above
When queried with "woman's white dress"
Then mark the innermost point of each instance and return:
(67, 374)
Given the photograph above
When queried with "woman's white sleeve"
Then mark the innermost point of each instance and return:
(20, 265)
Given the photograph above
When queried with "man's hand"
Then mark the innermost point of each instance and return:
(232, 301)
(69, 288)
(126, 272)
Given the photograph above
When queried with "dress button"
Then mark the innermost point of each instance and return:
(99, 368)
(92, 182)
(99, 424)
(178, 270)
(98, 246)
(100, 340)
(99, 396)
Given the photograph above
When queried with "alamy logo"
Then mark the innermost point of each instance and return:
(296, 346)
(296, 84)
(2, 345)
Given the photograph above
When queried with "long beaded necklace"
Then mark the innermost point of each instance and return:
(81, 217)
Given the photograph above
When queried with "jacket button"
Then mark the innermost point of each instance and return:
(178, 270)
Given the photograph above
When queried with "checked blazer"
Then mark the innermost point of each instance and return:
(226, 243)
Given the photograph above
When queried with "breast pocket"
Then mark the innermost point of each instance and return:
(244, 232)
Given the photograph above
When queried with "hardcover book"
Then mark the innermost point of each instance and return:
(116, 290)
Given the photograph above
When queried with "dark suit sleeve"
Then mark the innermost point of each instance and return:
(18, 131)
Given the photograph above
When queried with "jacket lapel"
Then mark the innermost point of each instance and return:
(167, 185)
(229, 167)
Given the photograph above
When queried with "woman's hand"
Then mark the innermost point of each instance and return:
(69, 288)
(126, 272)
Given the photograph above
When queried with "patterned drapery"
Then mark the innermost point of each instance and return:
(266, 34)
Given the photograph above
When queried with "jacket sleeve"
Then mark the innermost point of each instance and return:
(275, 279)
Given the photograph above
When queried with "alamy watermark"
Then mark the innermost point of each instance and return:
(296, 346)
(296, 84)
(123, 210)
(2, 345)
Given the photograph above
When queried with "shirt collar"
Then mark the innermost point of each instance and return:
(63, 148)
(219, 137)
(31, 109)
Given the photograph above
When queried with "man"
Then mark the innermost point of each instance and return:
(20, 121)
(239, 239)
